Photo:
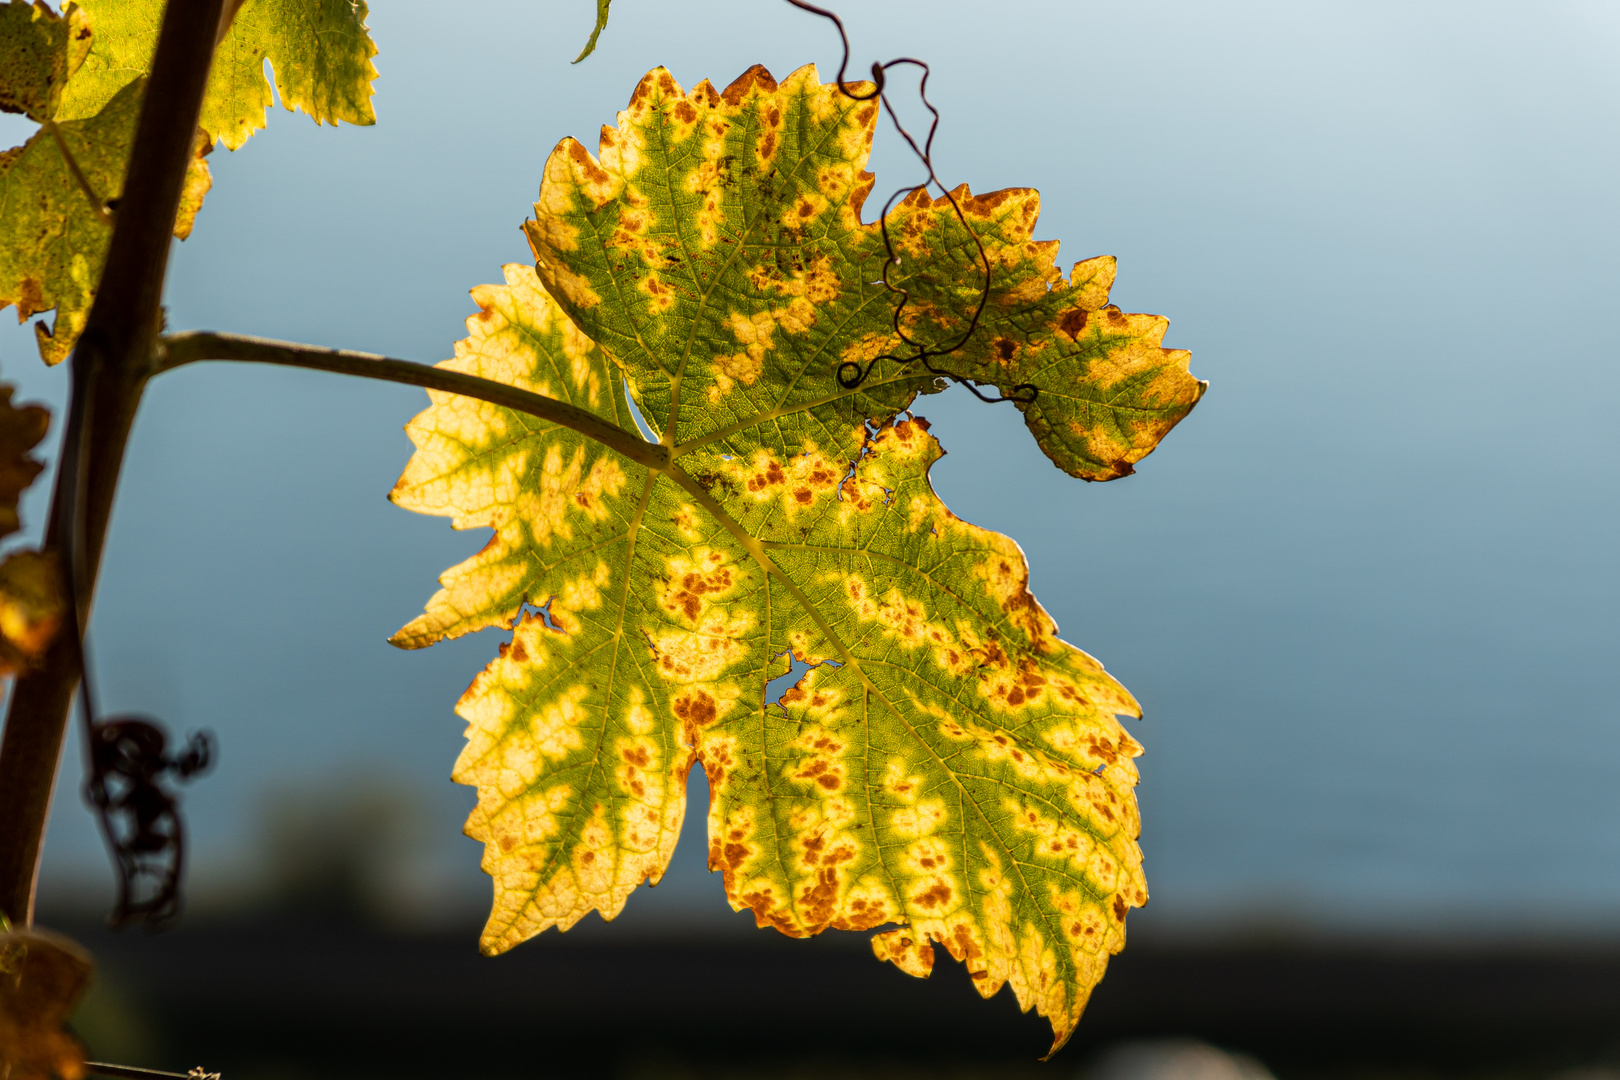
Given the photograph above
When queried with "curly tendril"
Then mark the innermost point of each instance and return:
(851, 374)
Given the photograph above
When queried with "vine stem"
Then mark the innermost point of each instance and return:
(175, 350)
(110, 366)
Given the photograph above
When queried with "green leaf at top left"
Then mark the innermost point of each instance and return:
(39, 49)
(319, 50)
(54, 225)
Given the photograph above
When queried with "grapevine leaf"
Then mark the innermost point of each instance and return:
(949, 766)
(319, 50)
(32, 601)
(32, 607)
(596, 31)
(42, 976)
(54, 225)
(21, 429)
(39, 49)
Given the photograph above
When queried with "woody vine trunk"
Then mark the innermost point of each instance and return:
(110, 367)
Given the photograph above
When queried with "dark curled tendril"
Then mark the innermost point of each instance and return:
(851, 374)
(126, 757)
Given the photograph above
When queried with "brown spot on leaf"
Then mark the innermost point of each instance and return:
(582, 160)
(763, 903)
(697, 708)
(818, 900)
(754, 76)
(937, 896)
(1073, 322)
(771, 475)
(30, 298)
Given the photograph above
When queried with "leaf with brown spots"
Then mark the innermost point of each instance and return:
(949, 770)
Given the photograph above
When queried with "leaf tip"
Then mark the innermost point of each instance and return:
(596, 31)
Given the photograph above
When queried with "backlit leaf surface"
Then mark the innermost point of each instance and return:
(949, 769)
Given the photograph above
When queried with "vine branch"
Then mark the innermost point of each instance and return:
(176, 350)
(110, 366)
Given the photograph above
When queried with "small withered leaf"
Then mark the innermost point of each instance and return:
(42, 977)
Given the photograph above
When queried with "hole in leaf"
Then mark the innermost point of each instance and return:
(635, 414)
(793, 676)
(872, 430)
(543, 613)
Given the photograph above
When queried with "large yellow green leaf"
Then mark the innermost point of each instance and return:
(949, 769)
(319, 50)
(54, 221)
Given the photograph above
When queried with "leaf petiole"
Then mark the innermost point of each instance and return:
(96, 203)
(176, 350)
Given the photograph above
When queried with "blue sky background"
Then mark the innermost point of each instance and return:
(1367, 593)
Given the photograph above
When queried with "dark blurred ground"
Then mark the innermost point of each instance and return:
(313, 967)
(304, 996)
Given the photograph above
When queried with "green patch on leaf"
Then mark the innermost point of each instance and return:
(54, 221)
(39, 50)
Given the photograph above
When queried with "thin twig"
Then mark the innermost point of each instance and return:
(96, 202)
(193, 346)
(851, 374)
(116, 347)
(135, 1072)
